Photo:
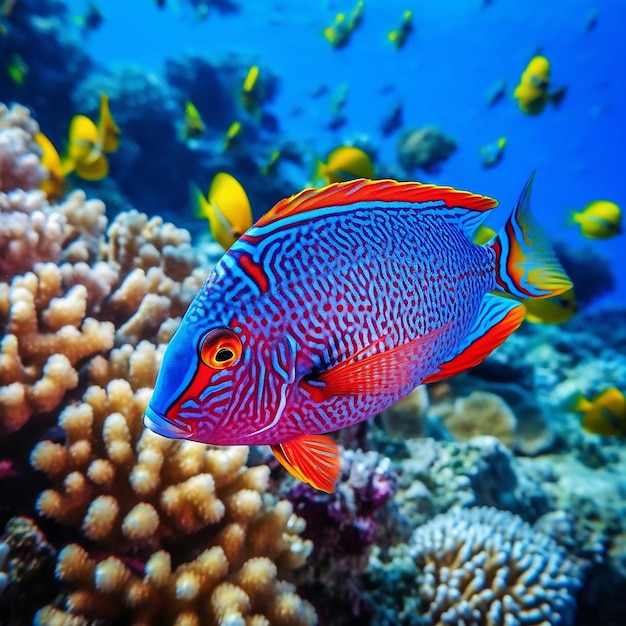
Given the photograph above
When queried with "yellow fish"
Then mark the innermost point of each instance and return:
(231, 134)
(193, 125)
(399, 36)
(108, 132)
(272, 162)
(227, 209)
(532, 93)
(344, 163)
(600, 219)
(53, 186)
(84, 156)
(249, 91)
(16, 69)
(605, 414)
(554, 310)
(339, 32)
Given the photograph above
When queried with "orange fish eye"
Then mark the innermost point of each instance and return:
(220, 348)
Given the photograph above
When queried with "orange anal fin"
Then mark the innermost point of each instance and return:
(497, 319)
(384, 372)
(313, 459)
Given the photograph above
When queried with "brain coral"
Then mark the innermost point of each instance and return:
(486, 567)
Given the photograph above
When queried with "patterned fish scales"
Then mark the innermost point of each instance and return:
(380, 270)
(335, 305)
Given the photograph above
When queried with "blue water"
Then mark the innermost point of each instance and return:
(457, 51)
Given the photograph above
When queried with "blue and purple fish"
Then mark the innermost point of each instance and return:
(336, 304)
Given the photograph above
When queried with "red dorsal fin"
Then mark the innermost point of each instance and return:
(384, 372)
(363, 190)
(313, 459)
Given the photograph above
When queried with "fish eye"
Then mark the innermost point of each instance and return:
(220, 348)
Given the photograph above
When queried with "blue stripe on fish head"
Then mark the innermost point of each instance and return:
(178, 368)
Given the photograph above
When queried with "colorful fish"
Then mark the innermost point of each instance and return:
(250, 90)
(109, 134)
(54, 185)
(600, 219)
(339, 32)
(532, 93)
(193, 125)
(605, 414)
(227, 209)
(493, 152)
(87, 143)
(554, 310)
(344, 163)
(84, 155)
(231, 135)
(336, 304)
(16, 69)
(399, 36)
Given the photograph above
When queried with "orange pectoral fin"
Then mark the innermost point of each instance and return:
(313, 459)
(384, 372)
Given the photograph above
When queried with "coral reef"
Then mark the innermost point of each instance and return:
(217, 587)
(77, 287)
(485, 566)
(503, 410)
(343, 527)
(19, 156)
(481, 472)
(26, 564)
(424, 148)
(480, 413)
(156, 529)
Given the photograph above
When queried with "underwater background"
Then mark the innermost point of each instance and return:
(496, 497)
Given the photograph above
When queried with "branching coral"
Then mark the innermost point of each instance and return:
(125, 486)
(193, 534)
(483, 566)
(46, 336)
(128, 487)
(20, 167)
(95, 289)
(206, 590)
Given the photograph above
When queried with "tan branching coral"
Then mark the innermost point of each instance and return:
(203, 591)
(193, 535)
(72, 290)
(47, 336)
(20, 167)
(126, 486)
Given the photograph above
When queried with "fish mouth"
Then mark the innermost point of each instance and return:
(165, 427)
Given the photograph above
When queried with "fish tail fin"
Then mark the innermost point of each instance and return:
(574, 217)
(526, 265)
(320, 170)
(579, 404)
(200, 205)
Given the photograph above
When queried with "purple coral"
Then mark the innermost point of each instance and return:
(342, 524)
